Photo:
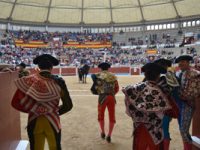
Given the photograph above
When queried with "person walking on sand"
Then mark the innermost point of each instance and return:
(106, 86)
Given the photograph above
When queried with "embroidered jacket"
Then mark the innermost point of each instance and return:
(190, 85)
(168, 83)
(39, 94)
(146, 103)
(106, 84)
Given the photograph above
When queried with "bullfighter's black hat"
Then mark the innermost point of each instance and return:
(22, 65)
(183, 57)
(46, 58)
(154, 68)
(104, 65)
(163, 62)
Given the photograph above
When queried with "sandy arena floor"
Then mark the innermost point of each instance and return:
(80, 130)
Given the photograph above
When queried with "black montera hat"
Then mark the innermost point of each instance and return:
(22, 65)
(104, 65)
(163, 62)
(183, 57)
(46, 58)
(154, 68)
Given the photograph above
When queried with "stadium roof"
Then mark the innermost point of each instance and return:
(96, 12)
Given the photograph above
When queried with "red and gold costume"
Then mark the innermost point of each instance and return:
(39, 96)
(106, 87)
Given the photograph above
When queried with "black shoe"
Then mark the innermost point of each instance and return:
(108, 139)
(103, 135)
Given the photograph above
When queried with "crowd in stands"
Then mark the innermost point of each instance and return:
(65, 37)
(151, 41)
(72, 56)
(6, 39)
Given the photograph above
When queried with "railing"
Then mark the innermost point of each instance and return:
(71, 71)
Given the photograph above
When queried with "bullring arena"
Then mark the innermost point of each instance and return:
(80, 130)
(125, 33)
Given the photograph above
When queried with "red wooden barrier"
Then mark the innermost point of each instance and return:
(68, 71)
(94, 70)
(122, 70)
(56, 71)
(73, 71)
(135, 71)
(9, 117)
